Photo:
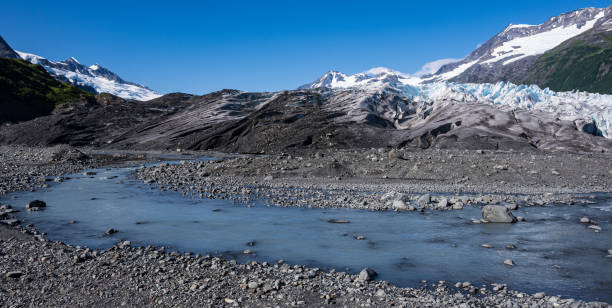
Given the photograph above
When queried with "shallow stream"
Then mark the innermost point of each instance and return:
(554, 252)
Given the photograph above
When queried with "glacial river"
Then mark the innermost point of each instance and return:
(554, 252)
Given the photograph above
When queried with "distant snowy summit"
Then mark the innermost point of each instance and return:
(376, 77)
(511, 55)
(94, 78)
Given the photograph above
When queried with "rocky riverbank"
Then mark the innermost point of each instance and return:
(381, 179)
(28, 168)
(38, 272)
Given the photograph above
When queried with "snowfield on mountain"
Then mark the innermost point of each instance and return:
(94, 78)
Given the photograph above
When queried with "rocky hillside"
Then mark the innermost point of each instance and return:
(235, 121)
(27, 91)
(583, 62)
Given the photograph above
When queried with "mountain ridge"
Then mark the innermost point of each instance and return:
(503, 58)
(94, 78)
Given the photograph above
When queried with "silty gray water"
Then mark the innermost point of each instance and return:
(554, 252)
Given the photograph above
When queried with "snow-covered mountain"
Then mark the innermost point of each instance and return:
(510, 55)
(374, 78)
(512, 50)
(94, 78)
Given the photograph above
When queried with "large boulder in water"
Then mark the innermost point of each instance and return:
(497, 213)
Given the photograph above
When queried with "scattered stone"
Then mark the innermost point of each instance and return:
(539, 295)
(111, 231)
(509, 262)
(14, 274)
(338, 221)
(497, 214)
(595, 227)
(585, 220)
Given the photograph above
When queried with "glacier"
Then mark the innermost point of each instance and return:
(574, 105)
(571, 106)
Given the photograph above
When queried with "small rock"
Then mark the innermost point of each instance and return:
(394, 154)
(367, 274)
(380, 293)
(539, 295)
(509, 262)
(111, 231)
(486, 246)
(36, 204)
(595, 227)
(338, 221)
(253, 285)
(585, 220)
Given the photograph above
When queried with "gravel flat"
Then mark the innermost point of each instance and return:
(364, 178)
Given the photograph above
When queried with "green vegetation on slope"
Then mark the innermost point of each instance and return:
(28, 91)
(583, 63)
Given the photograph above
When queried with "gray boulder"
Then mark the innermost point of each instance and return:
(424, 200)
(367, 274)
(497, 213)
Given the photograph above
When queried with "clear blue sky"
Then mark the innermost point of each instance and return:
(201, 46)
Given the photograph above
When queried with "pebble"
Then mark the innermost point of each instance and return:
(14, 274)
